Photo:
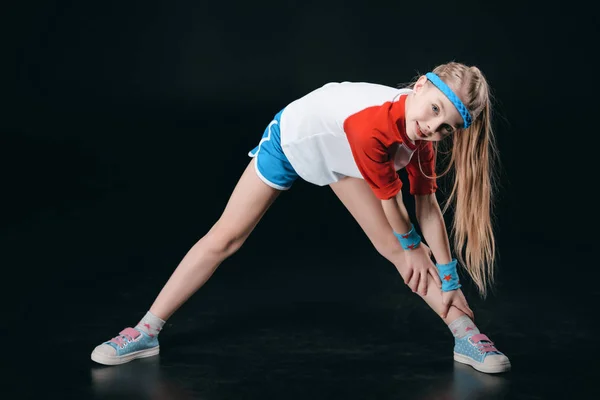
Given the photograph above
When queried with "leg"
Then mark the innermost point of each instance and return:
(366, 209)
(474, 349)
(248, 203)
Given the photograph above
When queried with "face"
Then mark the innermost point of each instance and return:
(429, 114)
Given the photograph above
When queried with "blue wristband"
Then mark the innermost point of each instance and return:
(410, 240)
(448, 275)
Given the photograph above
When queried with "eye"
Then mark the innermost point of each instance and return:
(448, 128)
(435, 108)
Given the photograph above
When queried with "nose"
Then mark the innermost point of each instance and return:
(434, 125)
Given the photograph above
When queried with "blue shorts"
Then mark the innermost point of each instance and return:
(272, 166)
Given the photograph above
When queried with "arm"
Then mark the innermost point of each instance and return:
(372, 150)
(418, 257)
(433, 227)
(396, 213)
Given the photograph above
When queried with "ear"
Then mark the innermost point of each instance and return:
(420, 83)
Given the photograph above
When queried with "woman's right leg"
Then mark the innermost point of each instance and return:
(248, 203)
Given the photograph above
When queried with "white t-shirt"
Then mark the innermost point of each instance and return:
(312, 130)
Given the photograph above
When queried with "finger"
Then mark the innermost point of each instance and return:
(423, 283)
(465, 308)
(445, 309)
(471, 314)
(414, 281)
(409, 275)
(436, 277)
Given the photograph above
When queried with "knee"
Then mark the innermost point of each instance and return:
(392, 251)
(222, 243)
(390, 248)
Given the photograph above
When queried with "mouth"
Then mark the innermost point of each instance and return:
(419, 132)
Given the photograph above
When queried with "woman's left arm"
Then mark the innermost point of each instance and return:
(433, 227)
(434, 231)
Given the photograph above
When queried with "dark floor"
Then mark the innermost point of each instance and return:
(296, 342)
(304, 322)
(378, 347)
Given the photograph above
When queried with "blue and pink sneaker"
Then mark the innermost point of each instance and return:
(129, 345)
(478, 351)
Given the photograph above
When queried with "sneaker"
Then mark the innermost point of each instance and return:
(129, 345)
(479, 352)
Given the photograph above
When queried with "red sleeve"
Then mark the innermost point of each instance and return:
(421, 184)
(373, 160)
(374, 139)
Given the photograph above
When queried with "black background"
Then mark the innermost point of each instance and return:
(126, 125)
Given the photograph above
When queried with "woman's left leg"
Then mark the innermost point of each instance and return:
(471, 347)
(360, 201)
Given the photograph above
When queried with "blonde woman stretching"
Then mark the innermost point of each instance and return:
(354, 137)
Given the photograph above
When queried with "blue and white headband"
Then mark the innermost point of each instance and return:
(440, 84)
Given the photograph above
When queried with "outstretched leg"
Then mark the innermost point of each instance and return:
(360, 201)
(471, 346)
(248, 203)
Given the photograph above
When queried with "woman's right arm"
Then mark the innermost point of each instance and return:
(371, 150)
(418, 256)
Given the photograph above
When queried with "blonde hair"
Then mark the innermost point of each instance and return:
(474, 155)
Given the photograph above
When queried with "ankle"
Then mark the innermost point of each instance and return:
(462, 326)
(158, 313)
(150, 324)
(453, 314)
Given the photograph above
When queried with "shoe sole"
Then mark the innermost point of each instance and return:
(488, 369)
(117, 360)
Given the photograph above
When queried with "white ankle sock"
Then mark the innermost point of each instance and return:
(150, 324)
(463, 326)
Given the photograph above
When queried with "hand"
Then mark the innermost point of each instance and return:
(457, 299)
(419, 266)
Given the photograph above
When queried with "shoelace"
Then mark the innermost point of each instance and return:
(483, 344)
(121, 340)
(125, 337)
